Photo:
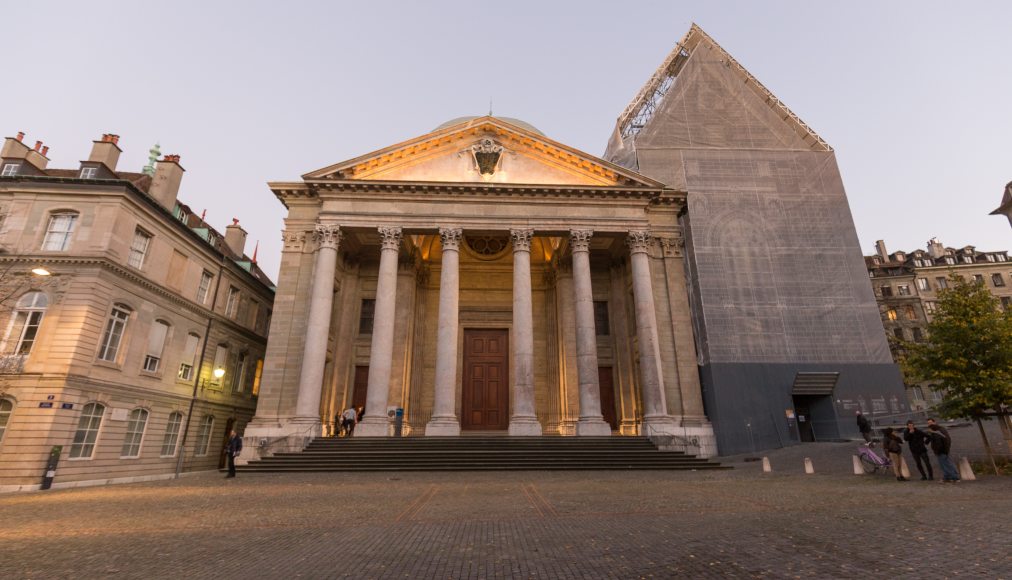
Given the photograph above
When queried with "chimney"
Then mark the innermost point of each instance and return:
(165, 184)
(37, 156)
(21, 136)
(880, 247)
(14, 147)
(235, 238)
(935, 248)
(106, 151)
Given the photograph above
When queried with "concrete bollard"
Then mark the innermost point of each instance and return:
(809, 469)
(767, 468)
(965, 471)
(858, 468)
(904, 470)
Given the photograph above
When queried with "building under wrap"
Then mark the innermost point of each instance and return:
(789, 337)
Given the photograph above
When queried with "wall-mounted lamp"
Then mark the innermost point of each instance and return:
(41, 271)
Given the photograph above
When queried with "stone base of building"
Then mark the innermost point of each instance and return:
(373, 427)
(524, 427)
(694, 435)
(593, 428)
(265, 438)
(443, 427)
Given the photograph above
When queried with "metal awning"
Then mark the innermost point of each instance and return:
(814, 383)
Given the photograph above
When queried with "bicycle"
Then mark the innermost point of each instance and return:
(872, 462)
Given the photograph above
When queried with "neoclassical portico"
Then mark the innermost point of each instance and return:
(481, 277)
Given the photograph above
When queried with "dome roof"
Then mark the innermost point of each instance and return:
(510, 120)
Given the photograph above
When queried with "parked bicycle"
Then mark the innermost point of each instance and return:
(873, 462)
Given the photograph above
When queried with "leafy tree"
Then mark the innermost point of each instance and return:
(968, 354)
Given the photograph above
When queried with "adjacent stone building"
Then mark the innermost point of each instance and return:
(118, 306)
(906, 286)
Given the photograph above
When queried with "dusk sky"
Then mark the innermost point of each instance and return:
(914, 96)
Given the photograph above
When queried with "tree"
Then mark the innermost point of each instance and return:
(968, 355)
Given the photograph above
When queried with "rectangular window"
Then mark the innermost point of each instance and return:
(942, 282)
(89, 172)
(950, 260)
(205, 286)
(601, 318)
(978, 279)
(931, 307)
(891, 314)
(171, 434)
(10, 170)
(204, 435)
(903, 290)
(156, 343)
(1006, 302)
(256, 377)
(909, 312)
(58, 232)
(254, 314)
(233, 301)
(997, 280)
(887, 291)
(923, 284)
(114, 329)
(189, 353)
(139, 248)
(134, 433)
(898, 333)
(918, 394)
(967, 259)
(365, 318)
(87, 431)
(25, 329)
(918, 335)
(989, 257)
(239, 374)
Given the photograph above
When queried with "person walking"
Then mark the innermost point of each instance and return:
(864, 426)
(232, 450)
(348, 420)
(941, 444)
(917, 442)
(893, 445)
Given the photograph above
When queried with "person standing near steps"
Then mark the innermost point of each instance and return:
(941, 445)
(893, 445)
(864, 426)
(232, 450)
(918, 441)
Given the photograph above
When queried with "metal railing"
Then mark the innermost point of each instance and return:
(690, 444)
(269, 446)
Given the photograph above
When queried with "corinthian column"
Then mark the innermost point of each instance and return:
(444, 417)
(591, 421)
(523, 421)
(375, 423)
(321, 299)
(655, 409)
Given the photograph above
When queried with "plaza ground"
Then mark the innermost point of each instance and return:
(737, 523)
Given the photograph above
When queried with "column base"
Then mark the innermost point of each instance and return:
(372, 427)
(593, 427)
(443, 427)
(524, 427)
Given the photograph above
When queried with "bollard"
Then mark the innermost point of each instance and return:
(809, 469)
(965, 471)
(904, 470)
(767, 468)
(858, 468)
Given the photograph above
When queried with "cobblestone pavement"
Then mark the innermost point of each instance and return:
(739, 524)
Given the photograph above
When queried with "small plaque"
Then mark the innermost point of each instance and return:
(66, 405)
(46, 405)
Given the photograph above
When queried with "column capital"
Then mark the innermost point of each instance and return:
(450, 238)
(579, 240)
(391, 237)
(638, 241)
(327, 236)
(292, 241)
(521, 239)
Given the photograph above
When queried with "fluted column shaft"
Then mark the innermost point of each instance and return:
(591, 422)
(375, 423)
(523, 420)
(651, 380)
(314, 355)
(444, 417)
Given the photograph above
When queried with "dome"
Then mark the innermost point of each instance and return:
(510, 120)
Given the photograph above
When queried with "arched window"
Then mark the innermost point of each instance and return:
(28, 312)
(156, 344)
(87, 431)
(59, 230)
(171, 434)
(115, 327)
(204, 435)
(135, 433)
(6, 408)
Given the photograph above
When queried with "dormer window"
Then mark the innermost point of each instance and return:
(89, 172)
(968, 259)
(10, 169)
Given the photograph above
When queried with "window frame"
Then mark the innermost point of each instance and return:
(52, 234)
(5, 415)
(112, 321)
(138, 263)
(171, 436)
(239, 372)
(77, 447)
(149, 353)
(132, 440)
(204, 433)
(10, 169)
(88, 172)
(33, 317)
(366, 314)
(183, 364)
(204, 290)
(232, 301)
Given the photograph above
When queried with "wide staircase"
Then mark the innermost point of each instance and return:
(484, 453)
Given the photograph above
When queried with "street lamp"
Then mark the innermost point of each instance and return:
(216, 373)
(219, 372)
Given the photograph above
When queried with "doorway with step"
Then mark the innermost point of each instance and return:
(485, 391)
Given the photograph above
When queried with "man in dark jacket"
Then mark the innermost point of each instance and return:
(893, 445)
(941, 444)
(864, 426)
(918, 441)
(232, 450)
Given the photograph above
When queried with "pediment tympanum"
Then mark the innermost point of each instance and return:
(483, 150)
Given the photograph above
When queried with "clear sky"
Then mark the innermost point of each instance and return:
(916, 97)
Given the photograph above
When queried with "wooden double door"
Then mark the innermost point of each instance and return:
(485, 393)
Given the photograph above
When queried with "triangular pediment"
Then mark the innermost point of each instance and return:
(484, 150)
